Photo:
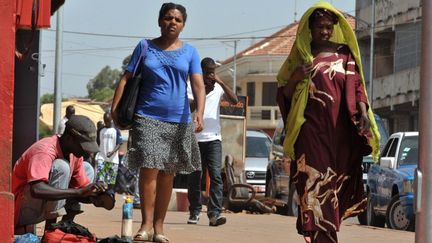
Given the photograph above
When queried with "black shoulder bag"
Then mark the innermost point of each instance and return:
(127, 103)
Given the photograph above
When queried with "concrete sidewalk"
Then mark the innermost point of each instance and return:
(240, 227)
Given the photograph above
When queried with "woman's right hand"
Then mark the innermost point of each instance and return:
(114, 117)
(301, 72)
(198, 122)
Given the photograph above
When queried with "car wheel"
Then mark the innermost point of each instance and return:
(371, 218)
(396, 217)
(270, 190)
(293, 201)
(362, 218)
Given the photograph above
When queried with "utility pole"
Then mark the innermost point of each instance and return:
(371, 62)
(423, 175)
(235, 67)
(58, 70)
(234, 70)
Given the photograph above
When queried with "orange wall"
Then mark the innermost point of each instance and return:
(7, 61)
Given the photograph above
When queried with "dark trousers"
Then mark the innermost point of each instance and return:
(211, 157)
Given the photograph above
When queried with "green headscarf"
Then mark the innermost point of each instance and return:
(301, 54)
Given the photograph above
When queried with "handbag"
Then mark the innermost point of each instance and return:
(125, 180)
(126, 106)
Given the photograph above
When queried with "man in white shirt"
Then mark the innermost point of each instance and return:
(209, 141)
(70, 111)
(107, 160)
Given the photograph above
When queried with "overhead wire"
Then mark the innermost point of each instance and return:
(223, 37)
(227, 37)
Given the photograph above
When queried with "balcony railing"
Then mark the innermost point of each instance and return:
(262, 116)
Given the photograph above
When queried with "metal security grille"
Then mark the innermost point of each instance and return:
(407, 46)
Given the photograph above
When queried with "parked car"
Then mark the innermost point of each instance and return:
(277, 176)
(368, 161)
(257, 150)
(390, 183)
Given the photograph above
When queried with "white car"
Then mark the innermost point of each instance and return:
(258, 145)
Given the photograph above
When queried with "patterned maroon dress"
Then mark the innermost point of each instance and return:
(329, 149)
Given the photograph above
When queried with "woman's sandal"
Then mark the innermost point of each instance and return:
(307, 235)
(160, 238)
(143, 236)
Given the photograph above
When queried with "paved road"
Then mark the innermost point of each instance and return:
(241, 227)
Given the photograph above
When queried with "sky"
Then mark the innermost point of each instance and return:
(98, 33)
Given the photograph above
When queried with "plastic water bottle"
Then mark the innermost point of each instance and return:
(126, 232)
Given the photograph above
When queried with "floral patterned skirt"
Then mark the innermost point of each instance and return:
(167, 146)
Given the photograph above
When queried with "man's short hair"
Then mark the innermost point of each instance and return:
(208, 62)
(84, 130)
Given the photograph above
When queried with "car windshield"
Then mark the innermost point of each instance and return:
(258, 147)
(408, 152)
(383, 132)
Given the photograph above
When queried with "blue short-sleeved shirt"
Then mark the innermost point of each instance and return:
(163, 92)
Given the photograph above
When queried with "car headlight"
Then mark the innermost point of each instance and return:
(407, 186)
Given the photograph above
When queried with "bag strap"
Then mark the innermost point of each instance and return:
(142, 55)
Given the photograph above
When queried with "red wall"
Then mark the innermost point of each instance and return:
(7, 50)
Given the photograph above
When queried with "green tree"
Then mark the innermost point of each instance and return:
(47, 98)
(103, 94)
(107, 78)
(44, 130)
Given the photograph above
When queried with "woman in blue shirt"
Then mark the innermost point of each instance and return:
(163, 140)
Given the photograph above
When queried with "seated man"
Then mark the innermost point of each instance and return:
(51, 177)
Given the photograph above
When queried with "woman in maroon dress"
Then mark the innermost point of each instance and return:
(334, 136)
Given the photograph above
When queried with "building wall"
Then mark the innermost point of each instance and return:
(397, 88)
(396, 98)
(257, 70)
(260, 116)
(396, 59)
(250, 65)
(258, 80)
(388, 12)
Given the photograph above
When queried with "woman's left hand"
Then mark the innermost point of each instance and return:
(363, 124)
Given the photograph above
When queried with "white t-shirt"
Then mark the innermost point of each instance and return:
(108, 141)
(212, 128)
(61, 126)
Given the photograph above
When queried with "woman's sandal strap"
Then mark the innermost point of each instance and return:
(143, 236)
(160, 238)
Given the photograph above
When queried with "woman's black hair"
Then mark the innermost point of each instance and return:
(322, 12)
(169, 6)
